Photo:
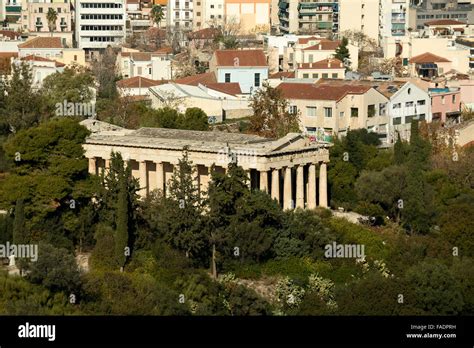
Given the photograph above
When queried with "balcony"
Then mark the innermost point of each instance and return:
(38, 25)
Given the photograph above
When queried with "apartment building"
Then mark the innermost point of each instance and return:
(180, 14)
(10, 14)
(429, 10)
(336, 109)
(99, 23)
(393, 19)
(360, 15)
(309, 17)
(327, 68)
(249, 14)
(34, 19)
(154, 66)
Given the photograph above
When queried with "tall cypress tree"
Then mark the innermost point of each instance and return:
(399, 151)
(20, 235)
(121, 231)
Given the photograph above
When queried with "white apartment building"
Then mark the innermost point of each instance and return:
(180, 14)
(360, 15)
(99, 23)
(393, 19)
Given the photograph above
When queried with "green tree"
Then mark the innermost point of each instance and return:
(51, 17)
(157, 14)
(56, 269)
(122, 224)
(194, 119)
(342, 53)
(399, 151)
(271, 116)
(20, 234)
(181, 218)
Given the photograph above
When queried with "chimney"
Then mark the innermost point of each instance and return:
(310, 65)
(329, 63)
(320, 47)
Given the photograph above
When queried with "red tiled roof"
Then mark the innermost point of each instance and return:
(138, 81)
(204, 34)
(195, 80)
(428, 57)
(12, 35)
(283, 74)
(323, 64)
(240, 58)
(311, 91)
(41, 59)
(231, 88)
(324, 45)
(305, 40)
(8, 54)
(444, 22)
(42, 42)
(164, 50)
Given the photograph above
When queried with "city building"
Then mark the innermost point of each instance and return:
(361, 16)
(247, 67)
(285, 168)
(430, 10)
(327, 68)
(137, 86)
(393, 21)
(51, 48)
(99, 24)
(41, 68)
(180, 15)
(154, 66)
(10, 14)
(309, 17)
(446, 105)
(250, 15)
(334, 109)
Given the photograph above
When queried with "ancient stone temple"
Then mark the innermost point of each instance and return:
(291, 169)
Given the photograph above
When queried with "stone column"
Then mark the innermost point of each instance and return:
(276, 184)
(249, 177)
(287, 194)
(93, 166)
(312, 186)
(264, 181)
(300, 187)
(160, 176)
(143, 177)
(323, 185)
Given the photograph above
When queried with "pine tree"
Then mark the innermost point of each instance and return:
(121, 231)
(20, 235)
(342, 52)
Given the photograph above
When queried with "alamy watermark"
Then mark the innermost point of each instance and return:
(75, 109)
(335, 250)
(23, 251)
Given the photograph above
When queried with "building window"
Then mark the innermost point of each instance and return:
(311, 111)
(409, 104)
(354, 112)
(341, 114)
(408, 119)
(422, 117)
(311, 130)
(40, 9)
(149, 71)
(442, 100)
(334, 76)
(327, 112)
(305, 76)
(227, 77)
(421, 102)
(75, 57)
(396, 106)
(257, 80)
(371, 110)
(212, 6)
(139, 70)
(310, 58)
(315, 76)
(397, 120)
(454, 99)
(293, 110)
(325, 76)
(382, 109)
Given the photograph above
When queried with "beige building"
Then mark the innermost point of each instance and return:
(251, 15)
(327, 68)
(34, 19)
(335, 109)
(293, 170)
(360, 15)
(52, 48)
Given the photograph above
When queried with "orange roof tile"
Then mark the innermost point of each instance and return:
(444, 22)
(312, 91)
(428, 57)
(195, 80)
(323, 64)
(41, 59)
(42, 42)
(138, 81)
(241, 57)
(324, 45)
(231, 88)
